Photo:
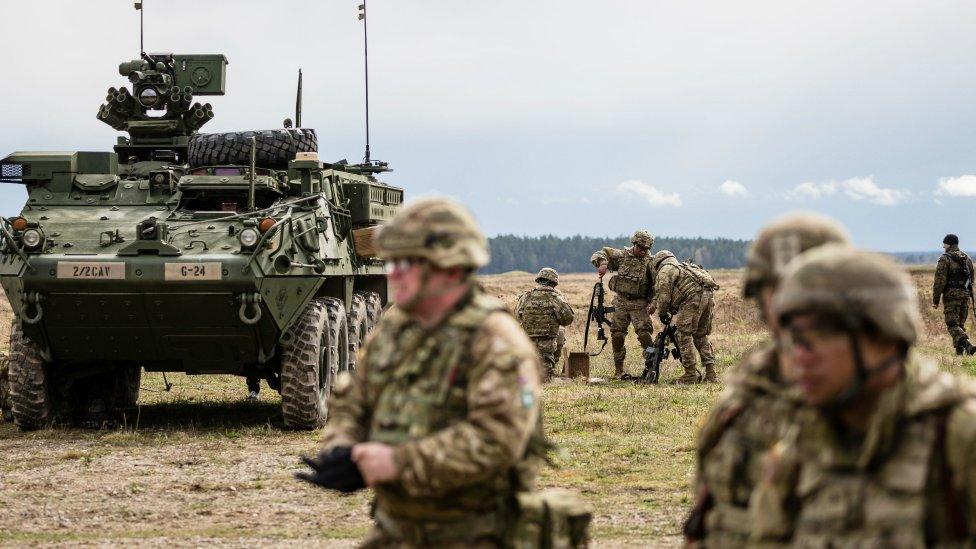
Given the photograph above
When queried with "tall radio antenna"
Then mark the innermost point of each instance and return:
(362, 17)
(142, 48)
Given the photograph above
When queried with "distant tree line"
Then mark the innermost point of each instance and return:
(572, 254)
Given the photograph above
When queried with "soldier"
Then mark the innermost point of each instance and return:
(444, 400)
(954, 284)
(541, 311)
(759, 404)
(686, 292)
(882, 456)
(634, 286)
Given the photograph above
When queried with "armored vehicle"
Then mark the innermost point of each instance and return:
(236, 253)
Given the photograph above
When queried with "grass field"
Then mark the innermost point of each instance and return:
(199, 465)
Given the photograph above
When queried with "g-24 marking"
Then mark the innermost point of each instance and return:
(193, 271)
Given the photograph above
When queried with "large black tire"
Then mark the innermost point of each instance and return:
(374, 310)
(314, 350)
(358, 323)
(30, 383)
(274, 147)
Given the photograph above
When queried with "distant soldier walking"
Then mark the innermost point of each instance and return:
(954, 285)
(633, 284)
(685, 292)
(541, 311)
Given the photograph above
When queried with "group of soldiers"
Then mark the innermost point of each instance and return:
(643, 284)
(835, 433)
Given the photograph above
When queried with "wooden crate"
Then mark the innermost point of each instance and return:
(364, 240)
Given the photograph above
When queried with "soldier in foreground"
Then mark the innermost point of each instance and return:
(758, 406)
(633, 284)
(685, 292)
(954, 285)
(541, 311)
(439, 413)
(883, 455)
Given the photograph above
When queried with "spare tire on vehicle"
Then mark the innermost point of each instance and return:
(274, 147)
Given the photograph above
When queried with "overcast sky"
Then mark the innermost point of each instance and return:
(566, 117)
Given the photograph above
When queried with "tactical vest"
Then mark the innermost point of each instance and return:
(959, 276)
(421, 383)
(733, 443)
(631, 278)
(903, 497)
(538, 318)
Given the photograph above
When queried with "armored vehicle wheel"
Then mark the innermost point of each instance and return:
(5, 387)
(274, 147)
(358, 323)
(30, 383)
(315, 349)
(374, 309)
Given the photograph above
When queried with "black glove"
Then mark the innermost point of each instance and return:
(334, 470)
(665, 318)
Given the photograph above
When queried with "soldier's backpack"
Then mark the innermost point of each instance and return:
(962, 278)
(552, 519)
(703, 277)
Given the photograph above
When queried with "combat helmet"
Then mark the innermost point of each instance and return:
(642, 238)
(859, 288)
(783, 239)
(548, 274)
(438, 230)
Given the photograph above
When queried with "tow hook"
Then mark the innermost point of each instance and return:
(32, 298)
(252, 300)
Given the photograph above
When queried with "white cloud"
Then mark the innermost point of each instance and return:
(734, 189)
(650, 193)
(812, 191)
(864, 188)
(964, 185)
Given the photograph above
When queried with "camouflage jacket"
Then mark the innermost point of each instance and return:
(751, 415)
(907, 482)
(673, 284)
(458, 402)
(950, 276)
(542, 310)
(634, 278)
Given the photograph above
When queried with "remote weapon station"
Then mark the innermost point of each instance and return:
(233, 253)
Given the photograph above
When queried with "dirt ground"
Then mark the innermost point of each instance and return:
(198, 465)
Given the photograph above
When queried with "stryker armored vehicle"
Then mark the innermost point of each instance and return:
(237, 253)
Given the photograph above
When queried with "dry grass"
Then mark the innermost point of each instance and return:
(204, 467)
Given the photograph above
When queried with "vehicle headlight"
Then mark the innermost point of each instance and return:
(248, 237)
(32, 238)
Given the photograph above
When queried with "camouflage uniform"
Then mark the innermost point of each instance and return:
(759, 405)
(458, 402)
(953, 285)
(680, 291)
(907, 480)
(910, 483)
(542, 311)
(633, 285)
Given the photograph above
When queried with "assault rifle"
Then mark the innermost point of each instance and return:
(654, 356)
(597, 313)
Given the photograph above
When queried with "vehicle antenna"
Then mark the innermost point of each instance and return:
(298, 102)
(142, 49)
(362, 17)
